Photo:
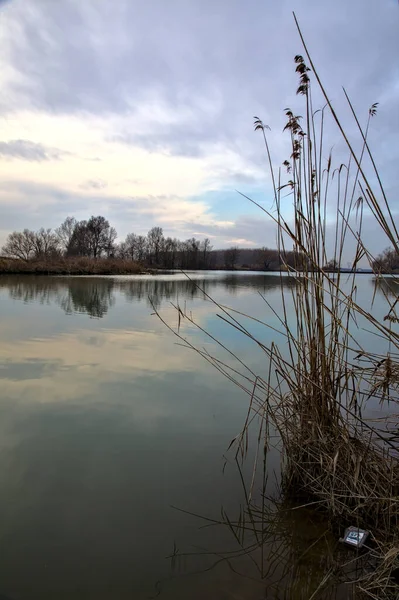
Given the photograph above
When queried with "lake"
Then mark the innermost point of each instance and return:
(112, 433)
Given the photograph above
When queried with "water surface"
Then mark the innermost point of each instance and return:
(106, 424)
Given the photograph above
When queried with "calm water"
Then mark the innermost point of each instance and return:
(107, 424)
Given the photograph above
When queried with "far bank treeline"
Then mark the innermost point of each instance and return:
(90, 246)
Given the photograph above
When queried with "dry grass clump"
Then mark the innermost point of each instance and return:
(382, 582)
(353, 479)
(320, 381)
(70, 266)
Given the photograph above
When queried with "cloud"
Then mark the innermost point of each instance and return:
(94, 184)
(177, 215)
(187, 132)
(26, 150)
(84, 356)
(160, 97)
(246, 231)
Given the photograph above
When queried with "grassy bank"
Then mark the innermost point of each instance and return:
(71, 266)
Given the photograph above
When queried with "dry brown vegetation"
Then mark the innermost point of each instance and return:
(70, 266)
(315, 388)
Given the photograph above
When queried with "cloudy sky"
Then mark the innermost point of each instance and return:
(143, 110)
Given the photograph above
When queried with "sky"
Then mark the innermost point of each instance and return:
(143, 111)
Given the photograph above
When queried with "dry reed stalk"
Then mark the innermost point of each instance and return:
(317, 387)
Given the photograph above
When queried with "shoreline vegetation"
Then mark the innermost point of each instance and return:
(120, 266)
(84, 265)
(315, 396)
(72, 266)
(90, 247)
(109, 266)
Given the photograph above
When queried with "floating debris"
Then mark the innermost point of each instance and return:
(355, 537)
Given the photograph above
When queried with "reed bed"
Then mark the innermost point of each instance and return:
(70, 266)
(317, 385)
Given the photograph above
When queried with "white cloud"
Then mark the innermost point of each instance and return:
(31, 151)
(160, 109)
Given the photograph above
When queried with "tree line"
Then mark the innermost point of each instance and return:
(95, 238)
(92, 238)
(386, 262)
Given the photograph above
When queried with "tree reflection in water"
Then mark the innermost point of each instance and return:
(96, 295)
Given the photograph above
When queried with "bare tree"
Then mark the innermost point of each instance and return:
(155, 240)
(231, 257)
(79, 244)
(205, 248)
(109, 246)
(332, 265)
(92, 238)
(45, 243)
(169, 253)
(121, 251)
(193, 247)
(141, 246)
(268, 259)
(20, 245)
(65, 232)
(131, 246)
(101, 236)
(386, 262)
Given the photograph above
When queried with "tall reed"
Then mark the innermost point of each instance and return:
(319, 382)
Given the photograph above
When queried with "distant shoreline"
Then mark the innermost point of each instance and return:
(72, 266)
(112, 266)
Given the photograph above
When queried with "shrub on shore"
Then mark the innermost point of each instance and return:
(71, 266)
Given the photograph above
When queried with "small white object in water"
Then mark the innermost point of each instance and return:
(355, 537)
